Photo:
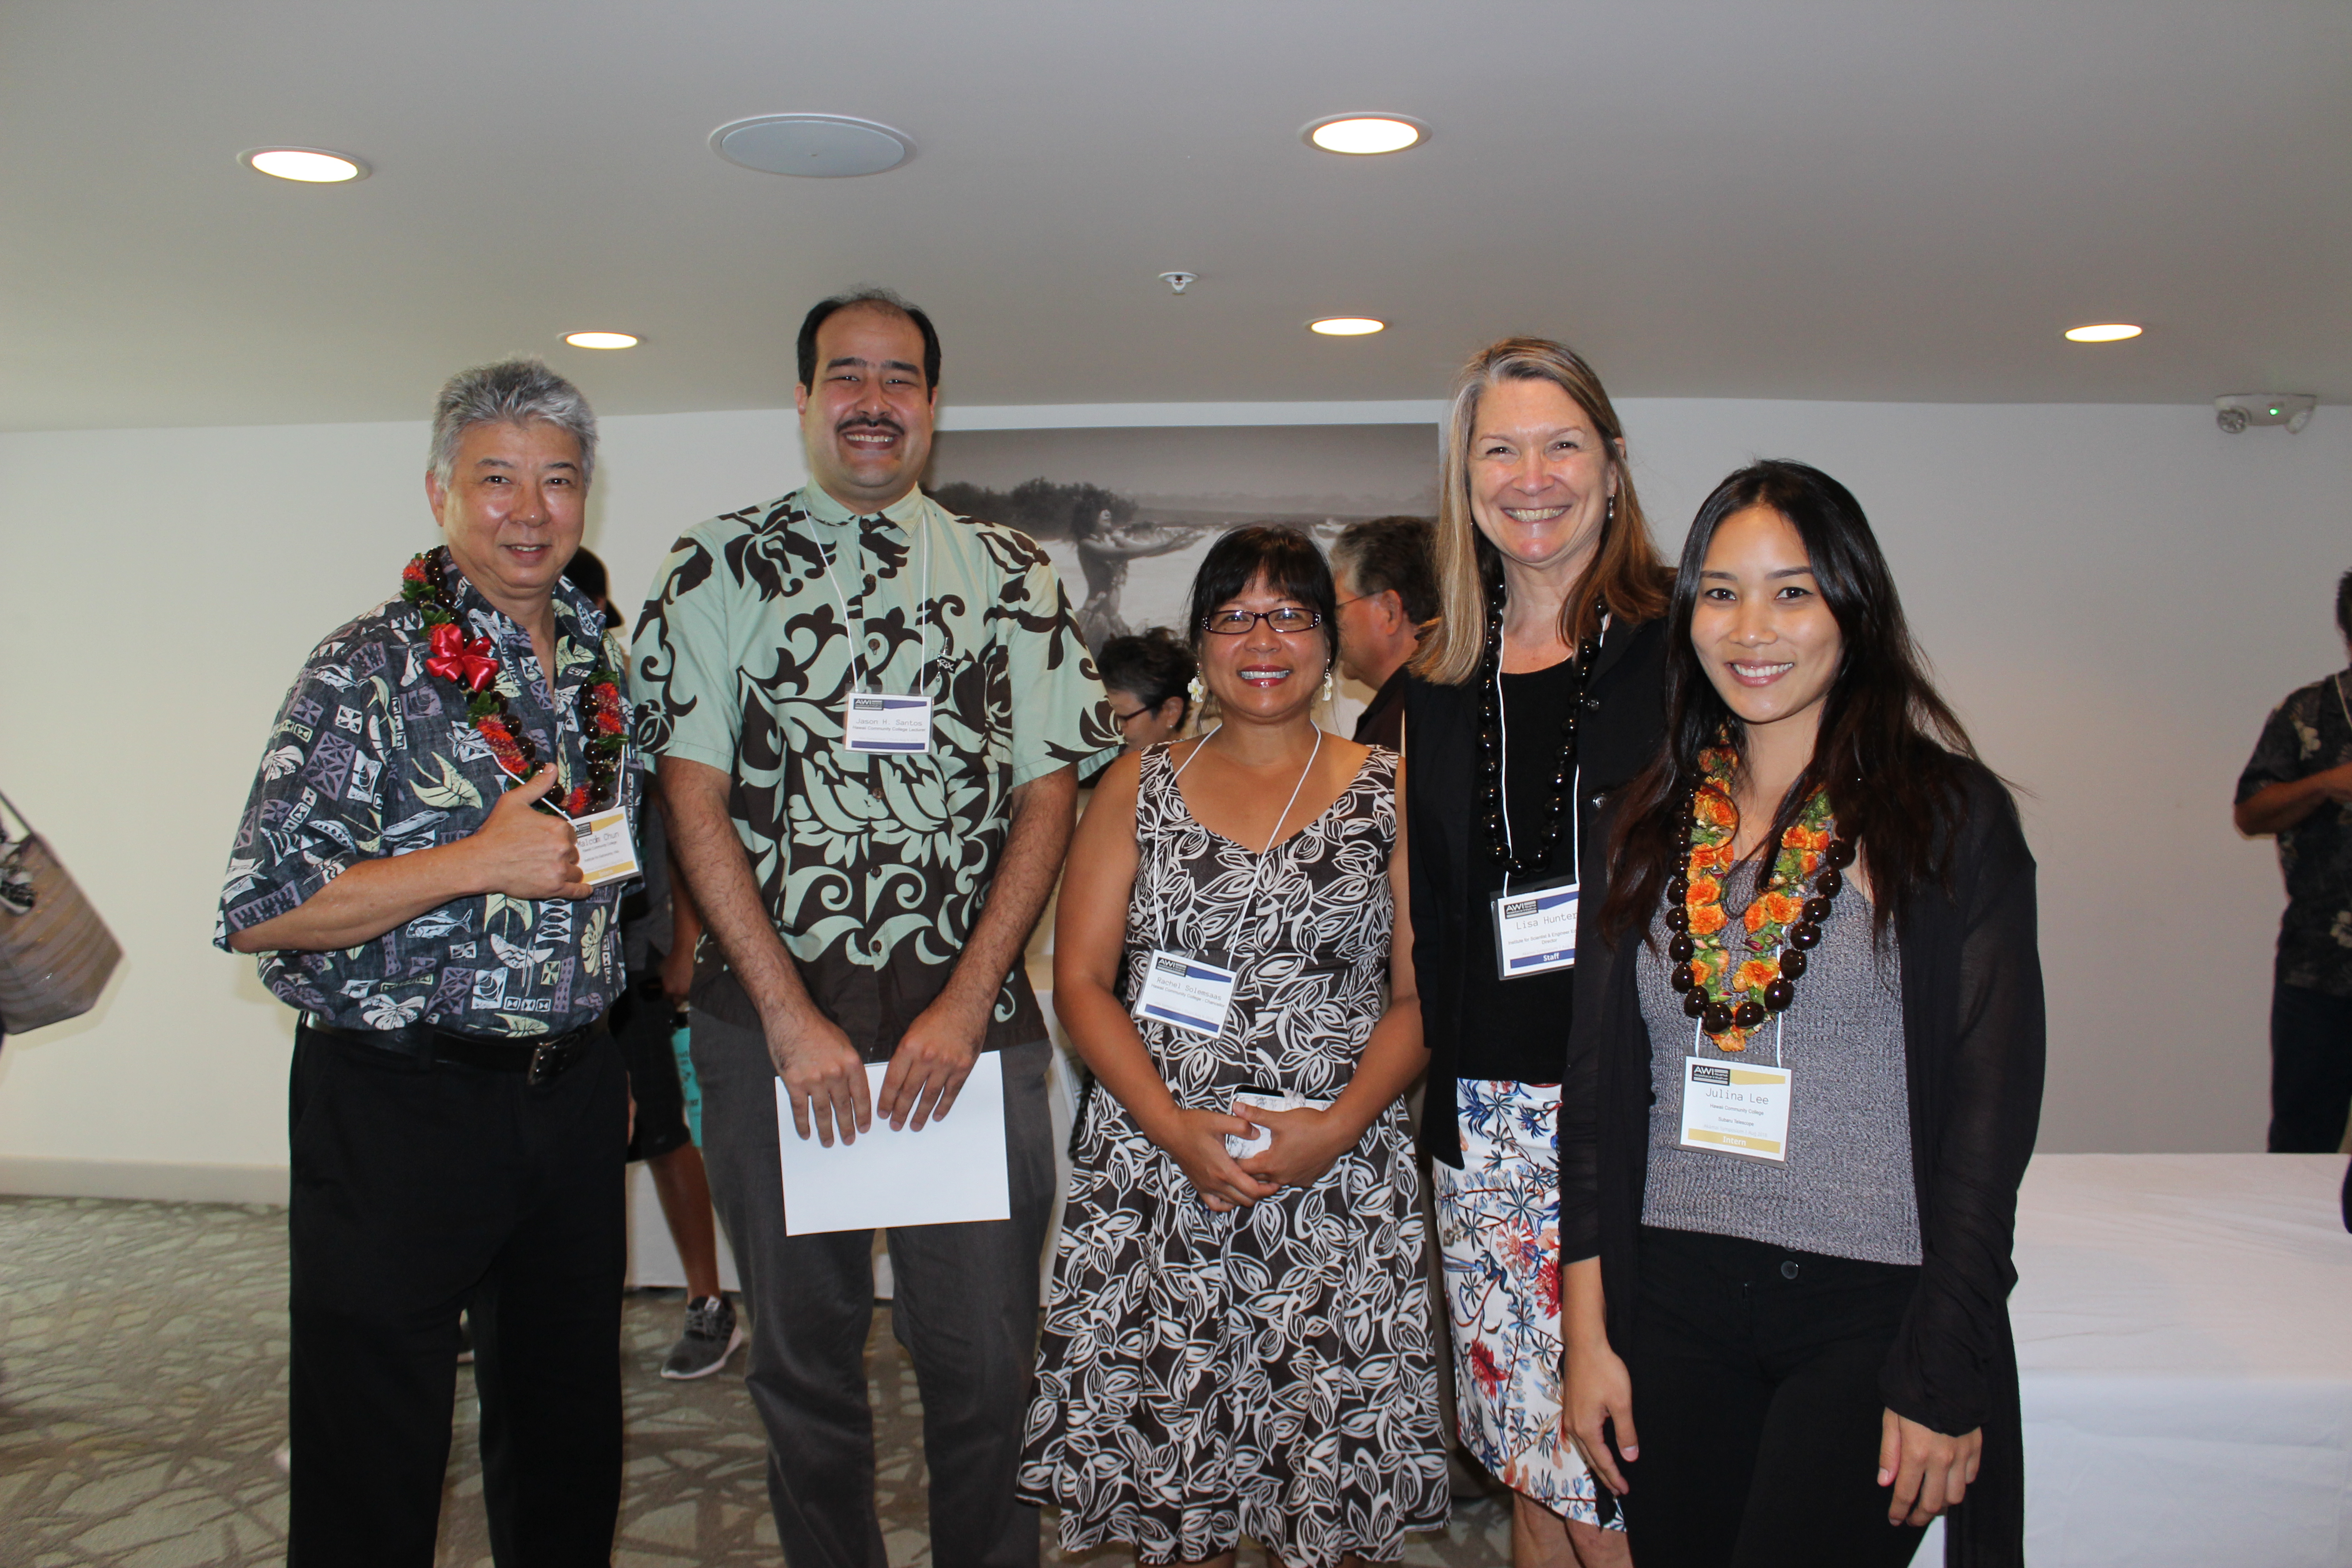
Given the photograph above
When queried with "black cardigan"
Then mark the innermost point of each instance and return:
(1622, 729)
(1973, 1042)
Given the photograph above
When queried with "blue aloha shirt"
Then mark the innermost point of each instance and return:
(371, 756)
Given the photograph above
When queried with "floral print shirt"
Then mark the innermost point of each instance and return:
(371, 756)
(2310, 732)
(873, 867)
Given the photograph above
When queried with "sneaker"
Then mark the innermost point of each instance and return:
(711, 1335)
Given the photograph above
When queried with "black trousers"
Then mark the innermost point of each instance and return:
(1756, 1397)
(420, 1188)
(965, 1305)
(2311, 1070)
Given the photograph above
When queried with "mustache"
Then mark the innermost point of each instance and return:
(871, 422)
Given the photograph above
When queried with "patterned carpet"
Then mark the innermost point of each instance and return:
(142, 1393)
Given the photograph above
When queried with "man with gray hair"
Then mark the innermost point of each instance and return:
(429, 867)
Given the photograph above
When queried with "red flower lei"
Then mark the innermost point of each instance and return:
(473, 666)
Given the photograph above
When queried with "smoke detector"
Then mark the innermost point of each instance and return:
(2237, 410)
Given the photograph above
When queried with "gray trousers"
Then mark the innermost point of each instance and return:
(964, 1306)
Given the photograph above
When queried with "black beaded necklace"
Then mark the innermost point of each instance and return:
(1793, 925)
(1538, 854)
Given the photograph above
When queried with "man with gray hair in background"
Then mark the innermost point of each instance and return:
(428, 869)
(1387, 595)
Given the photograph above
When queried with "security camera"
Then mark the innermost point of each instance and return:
(2234, 412)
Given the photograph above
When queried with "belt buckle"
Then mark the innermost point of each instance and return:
(544, 1066)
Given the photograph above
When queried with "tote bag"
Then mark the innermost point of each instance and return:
(56, 957)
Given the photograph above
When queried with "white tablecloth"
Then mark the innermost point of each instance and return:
(2184, 1335)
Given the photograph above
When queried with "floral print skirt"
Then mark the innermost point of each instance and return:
(1498, 1232)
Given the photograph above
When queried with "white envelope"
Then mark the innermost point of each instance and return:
(950, 1172)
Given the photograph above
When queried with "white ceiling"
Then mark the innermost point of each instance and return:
(1818, 200)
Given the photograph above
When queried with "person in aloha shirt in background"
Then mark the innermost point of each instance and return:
(2298, 787)
(659, 929)
(458, 1112)
(865, 907)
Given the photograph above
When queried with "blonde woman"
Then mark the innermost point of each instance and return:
(1538, 693)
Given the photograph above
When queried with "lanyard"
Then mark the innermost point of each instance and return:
(1503, 780)
(1257, 871)
(856, 628)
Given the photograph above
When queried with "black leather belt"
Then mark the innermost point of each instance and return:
(541, 1062)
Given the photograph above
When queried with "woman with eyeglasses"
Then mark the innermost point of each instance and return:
(1146, 675)
(1238, 1341)
(1805, 1078)
(1537, 693)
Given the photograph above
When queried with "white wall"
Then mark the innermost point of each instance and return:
(2114, 596)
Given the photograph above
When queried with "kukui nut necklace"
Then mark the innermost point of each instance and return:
(1730, 1003)
(473, 666)
(1538, 853)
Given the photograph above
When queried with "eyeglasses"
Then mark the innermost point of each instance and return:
(1129, 718)
(1239, 622)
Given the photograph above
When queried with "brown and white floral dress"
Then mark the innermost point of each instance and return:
(1266, 1372)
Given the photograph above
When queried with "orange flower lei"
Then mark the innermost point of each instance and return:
(1728, 1002)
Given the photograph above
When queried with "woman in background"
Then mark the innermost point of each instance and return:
(1807, 1075)
(1146, 675)
(1238, 1341)
(1537, 693)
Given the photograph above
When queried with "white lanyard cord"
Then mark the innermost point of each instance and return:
(856, 628)
(1503, 782)
(1257, 871)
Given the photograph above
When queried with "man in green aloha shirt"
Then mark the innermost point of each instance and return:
(867, 891)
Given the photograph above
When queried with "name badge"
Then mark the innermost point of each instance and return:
(882, 723)
(1242, 1146)
(1186, 992)
(608, 851)
(1534, 929)
(1734, 1108)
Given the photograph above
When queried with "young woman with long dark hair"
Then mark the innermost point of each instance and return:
(1806, 1073)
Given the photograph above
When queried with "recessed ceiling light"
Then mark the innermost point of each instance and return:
(308, 164)
(600, 339)
(2106, 332)
(1346, 326)
(1364, 134)
(825, 146)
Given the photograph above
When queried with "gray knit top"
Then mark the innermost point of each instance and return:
(1846, 1189)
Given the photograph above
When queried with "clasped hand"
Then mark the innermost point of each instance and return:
(825, 1082)
(1306, 1144)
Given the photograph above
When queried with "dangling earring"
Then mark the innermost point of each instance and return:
(1611, 516)
(1329, 688)
(1196, 691)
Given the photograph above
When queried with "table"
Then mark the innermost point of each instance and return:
(2184, 1337)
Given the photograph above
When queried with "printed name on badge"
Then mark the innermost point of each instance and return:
(877, 723)
(1736, 1108)
(1186, 992)
(1534, 929)
(608, 851)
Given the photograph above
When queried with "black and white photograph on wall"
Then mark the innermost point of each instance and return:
(1127, 514)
